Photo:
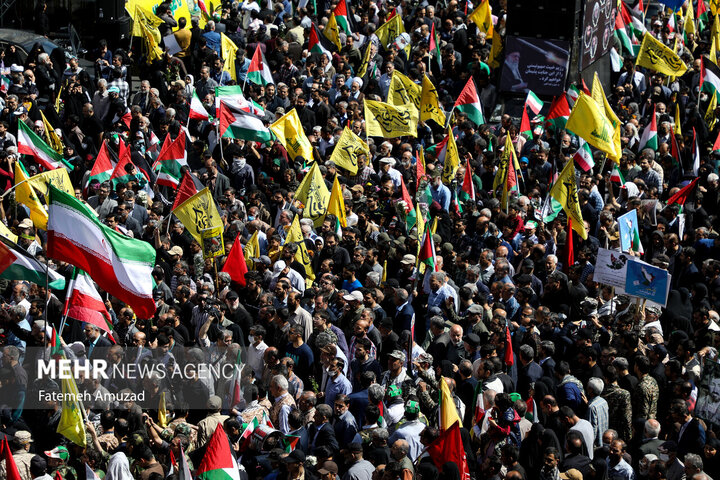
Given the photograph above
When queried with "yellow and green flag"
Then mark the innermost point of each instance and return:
(565, 190)
(347, 149)
(199, 213)
(289, 131)
(313, 193)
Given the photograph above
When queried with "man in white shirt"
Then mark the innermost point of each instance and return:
(256, 350)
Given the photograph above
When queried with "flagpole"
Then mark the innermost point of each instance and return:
(71, 286)
(47, 303)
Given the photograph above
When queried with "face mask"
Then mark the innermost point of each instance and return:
(250, 218)
(241, 162)
(251, 339)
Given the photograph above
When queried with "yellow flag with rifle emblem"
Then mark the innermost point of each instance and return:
(289, 131)
(599, 96)
(590, 123)
(347, 149)
(25, 194)
(58, 177)
(388, 121)
(565, 191)
(656, 56)
(294, 235)
(313, 193)
(430, 103)
(199, 213)
(228, 49)
(390, 30)
(452, 159)
(403, 91)
(336, 205)
(482, 16)
(332, 32)
(251, 250)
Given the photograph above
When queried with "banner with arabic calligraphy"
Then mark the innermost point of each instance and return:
(199, 213)
(314, 194)
(387, 121)
(656, 56)
(346, 151)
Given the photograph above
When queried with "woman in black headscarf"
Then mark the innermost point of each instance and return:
(533, 447)
(450, 471)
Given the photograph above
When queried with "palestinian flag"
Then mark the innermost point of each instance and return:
(319, 44)
(716, 145)
(17, 264)
(434, 46)
(703, 17)
(550, 209)
(681, 196)
(259, 71)
(469, 103)
(197, 109)
(616, 176)
(218, 463)
(86, 304)
(56, 349)
(103, 167)
(235, 123)
(709, 76)
(343, 17)
(29, 143)
(172, 158)
(468, 186)
(123, 170)
(121, 265)
(649, 137)
(583, 156)
(290, 442)
(427, 251)
(525, 128)
(558, 115)
(189, 186)
(533, 102)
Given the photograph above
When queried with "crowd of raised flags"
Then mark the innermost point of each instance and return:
(471, 188)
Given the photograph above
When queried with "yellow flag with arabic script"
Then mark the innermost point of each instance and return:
(294, 235)
(403, 91)
(347, 149)
(146, 17)
(5, 232)
(565, 191)
(332, 32)
(51, 137)
(252, 250)
(452, 159)
(25, 194)
(656, 56)
(482, 16)
(388, 121)
(58, 177)
(289, 131)
(599, 96)
(228, 49)
(430, 103)
(313, 193)
(199, 213)
(390, 30)
(336, 205)
(590, 123)
(162, 411)
(71, 424)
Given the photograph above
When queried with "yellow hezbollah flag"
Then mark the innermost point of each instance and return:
(51, 137)
(390, 30)
(347, 150)
(58, 177)
(71, 424)
(336, 205)
(403, 91)
(366, 60)
(495, 51)
(313, 193)
(145, 16)
(502, 171)
(482, 16)
(565, 191)
(599, 96)
(452, 159)
(430, 104)
(162, 411)
(180, 8)
(199, 213)
(5, 232)
(656, 56)
(447, 411)
(294, 235)
(587, 121)
(689, 23)
(331, 32)
(289, 131)
(387, 121)
(710, 112)
(25, 194)
(252, 250)
(150, 35)
(228, 50)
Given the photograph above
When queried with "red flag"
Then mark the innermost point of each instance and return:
(585, 87)
(509, 360)
(569, 250)
(682, 195)
(218, 461)
(448, 447)
(235, 265)
(716, 145)
(420, 172)
(405, 196)
(468, 186)
(187, 189)
(432, 46)
(11, 470)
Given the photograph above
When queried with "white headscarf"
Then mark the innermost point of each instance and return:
(118, 468)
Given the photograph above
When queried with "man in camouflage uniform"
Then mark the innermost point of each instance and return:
(57, 463)
(645, 396)
(20, 452)
(619, 404)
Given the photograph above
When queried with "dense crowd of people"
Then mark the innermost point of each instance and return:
(343, 358)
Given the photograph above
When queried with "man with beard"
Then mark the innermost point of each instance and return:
(511, 72)
(332, 250)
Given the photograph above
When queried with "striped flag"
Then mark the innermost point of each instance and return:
(533, 102)
(583, 156)
(86, 305)
(29, 143)
(17, 264)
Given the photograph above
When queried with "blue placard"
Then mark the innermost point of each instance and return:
(628, 224)
(645, 281)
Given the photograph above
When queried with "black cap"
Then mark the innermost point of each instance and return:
(471, 339)
(296, 456)
(386, 322)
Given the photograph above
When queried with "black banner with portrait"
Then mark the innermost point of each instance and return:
(597, 30)
(534, 64)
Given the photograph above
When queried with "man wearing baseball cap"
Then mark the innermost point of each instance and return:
(396, 373)
(409, 429)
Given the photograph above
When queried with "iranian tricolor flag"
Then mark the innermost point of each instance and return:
(259, 71)
(236, 389)
(17, 264)
(121, 265)
(427, 251)
(197, 109)
(318, 43)
(709, 76)
(649, 137)
(616, 176)
(102, 168)
(583, 156)
(558, 115)
(218, 462)
(172, 158)
(86, 304)
(342, 16)
(235, 123)
(533, 102)
(469, 103)
(29, 143)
